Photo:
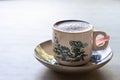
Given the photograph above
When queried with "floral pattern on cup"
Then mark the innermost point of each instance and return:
(75, 54)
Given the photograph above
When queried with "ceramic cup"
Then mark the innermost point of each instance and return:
(74, 40)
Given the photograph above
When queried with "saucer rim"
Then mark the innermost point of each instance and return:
(44, 61)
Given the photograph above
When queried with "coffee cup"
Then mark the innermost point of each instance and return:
(74, 40)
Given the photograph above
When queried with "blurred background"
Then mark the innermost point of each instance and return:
(26, 23)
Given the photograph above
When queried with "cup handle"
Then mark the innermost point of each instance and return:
(101, 43)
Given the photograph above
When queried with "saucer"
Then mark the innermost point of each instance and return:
(44, 54)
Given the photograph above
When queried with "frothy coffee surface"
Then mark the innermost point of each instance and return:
(73, 26)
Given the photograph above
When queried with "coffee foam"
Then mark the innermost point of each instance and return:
(73, 26)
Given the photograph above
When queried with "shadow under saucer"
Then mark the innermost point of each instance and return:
(52, 75)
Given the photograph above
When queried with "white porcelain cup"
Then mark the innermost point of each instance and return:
(74, 40)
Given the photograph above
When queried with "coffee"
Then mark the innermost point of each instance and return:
(73, 26)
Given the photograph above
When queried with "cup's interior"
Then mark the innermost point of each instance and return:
(72, 26)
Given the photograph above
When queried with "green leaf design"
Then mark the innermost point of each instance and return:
(66, 54)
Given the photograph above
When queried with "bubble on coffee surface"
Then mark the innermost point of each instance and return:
(73, 26)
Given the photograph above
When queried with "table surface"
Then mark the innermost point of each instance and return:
(24, 24)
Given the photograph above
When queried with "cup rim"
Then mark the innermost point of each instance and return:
(63, 21)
